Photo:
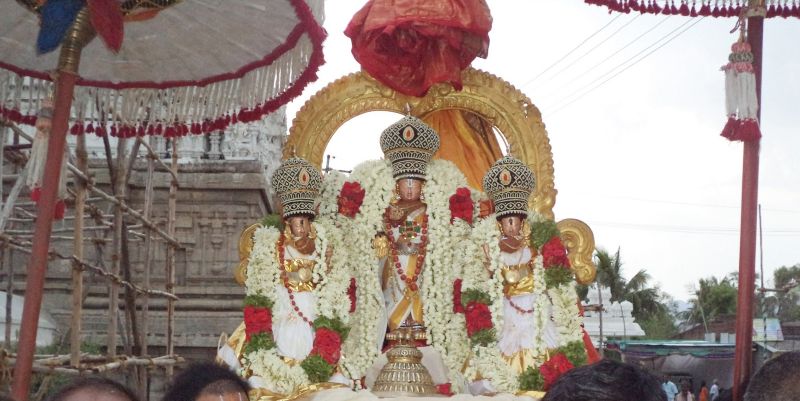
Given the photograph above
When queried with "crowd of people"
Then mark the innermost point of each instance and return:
(606, 380)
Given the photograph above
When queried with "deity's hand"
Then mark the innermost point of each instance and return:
(381, 245)
(396, 213)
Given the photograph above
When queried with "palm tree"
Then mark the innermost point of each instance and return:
(712, 298)
(646, 300)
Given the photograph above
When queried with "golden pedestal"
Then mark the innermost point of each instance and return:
(404, 375)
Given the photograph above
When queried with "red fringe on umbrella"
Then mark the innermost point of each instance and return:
(694, 8)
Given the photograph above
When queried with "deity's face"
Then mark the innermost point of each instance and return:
(299, 225)
(511, 225)
(409, 189)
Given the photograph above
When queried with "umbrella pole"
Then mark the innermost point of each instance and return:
(79, 34)
(747, 240)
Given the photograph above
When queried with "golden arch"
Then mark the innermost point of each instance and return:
(484, 94)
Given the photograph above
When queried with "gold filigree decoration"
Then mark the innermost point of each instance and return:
(484, 94)
(246, 242)
(579, 240)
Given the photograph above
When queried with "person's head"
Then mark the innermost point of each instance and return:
(410, 189)
(685, 387)
(716, 382)
(511, 224)
(207, 382)
(776, 380)
(606, 380)
(94, 389)
(702, 383)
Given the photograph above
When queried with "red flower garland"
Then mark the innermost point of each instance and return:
(461, 205)
(351, 293)
(556, 366)
(554, 254)
(256, 320)
(328, 345)
(457, 307)
(478, 317)
(350, 199)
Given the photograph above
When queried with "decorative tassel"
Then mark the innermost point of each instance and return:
(38, 159)
(741, 101)
(106, 17)
(56, 18)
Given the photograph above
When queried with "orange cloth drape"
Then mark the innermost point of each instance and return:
(472, 146)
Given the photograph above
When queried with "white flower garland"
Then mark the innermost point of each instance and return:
(263, 277)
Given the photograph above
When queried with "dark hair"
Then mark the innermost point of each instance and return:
(702, 383)
(607, 380)
(94, 383)
(205, 377)
(776, 380)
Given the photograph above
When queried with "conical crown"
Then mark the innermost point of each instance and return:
(297, 184)
(509, 182)
(409, 144)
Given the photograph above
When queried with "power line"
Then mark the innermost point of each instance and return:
(592, 49)
(571, 51)
(601, 62)
(690, 229)
(628, 66)
(710, 205)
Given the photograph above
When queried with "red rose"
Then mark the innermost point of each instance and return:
(457, 307)
(350, 199)
(351, 293)
(461, 205)
(444, 389)
(554, 254)
(256, 320)
(556, 366)
(478, 317)
(328, 345)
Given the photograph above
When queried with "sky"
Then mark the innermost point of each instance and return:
(633, 105)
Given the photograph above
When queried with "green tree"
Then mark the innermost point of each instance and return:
(649, 303)
(713, 298)
(783, 303)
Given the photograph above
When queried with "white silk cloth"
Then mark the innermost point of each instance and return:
(519, 328)
(294, 337)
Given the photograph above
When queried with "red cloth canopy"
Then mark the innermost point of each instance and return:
(410, 45)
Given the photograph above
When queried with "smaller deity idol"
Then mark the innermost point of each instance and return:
(294, 322)
(509, 183)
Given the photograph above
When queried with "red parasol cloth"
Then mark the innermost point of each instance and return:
(410, 45)
(180, 67)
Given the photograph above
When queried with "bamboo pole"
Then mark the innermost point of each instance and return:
(133, 213)
(148, 243)
(117, 176)
(170, 273)
(9, 293)
(77, 244)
